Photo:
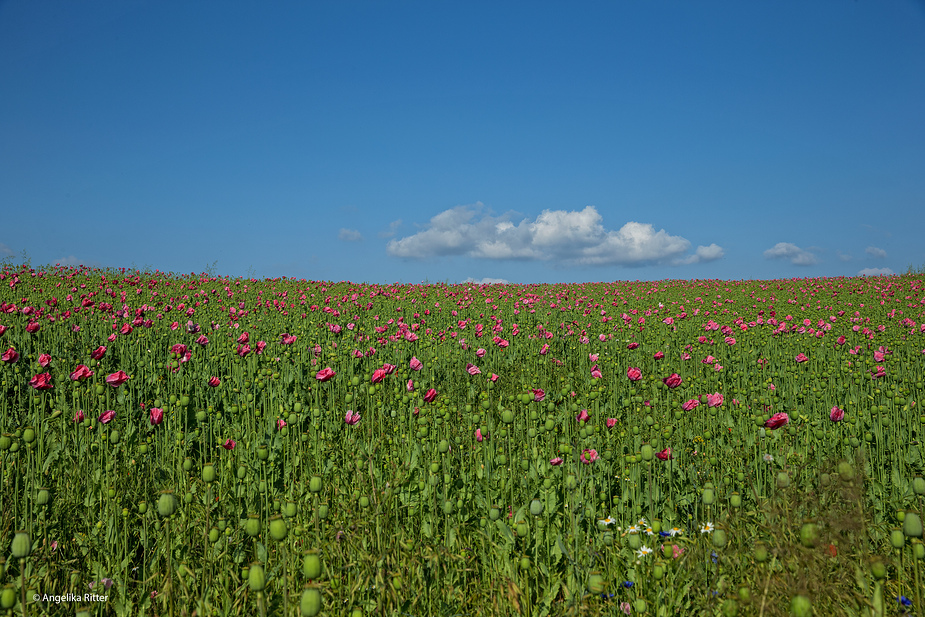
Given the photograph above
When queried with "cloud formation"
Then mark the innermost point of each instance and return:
(875, 272)
(487, 281)
(5, 251)
(568, 237)
(349, 235)
(792, 253)
(873, 251)
(392, 230)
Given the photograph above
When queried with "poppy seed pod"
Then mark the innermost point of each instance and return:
(22, 545)
(278, 528)
(8, 597)
(314, 485)
(256, 577)
(809, 535)
(311, 565)
(918, 485)
(595, 583)
(648, 453)
(719, 538)
(761, 552)
(897, 539)
(735, 500)
(800, 606)
(252, 525)
(311, 602)
(708, 497)
(912, 525)
(208, 473)
(166, 504)
(536, 507)
(43, 497)
(878, 569)
(783, 480)
(845, 471)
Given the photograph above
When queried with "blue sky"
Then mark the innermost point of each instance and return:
(518, 141)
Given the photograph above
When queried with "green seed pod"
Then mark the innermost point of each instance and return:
(730, 608)
(311, 602)
(845, 471)
(640, 606)
(22, 545)
(28, 435)
(536, 507)
(912, 525)
(252, 525)
(719, 538)
(522, 529)
(708, 497)
(524, 563)
(809, 535)
(448, 507)
(507, 416)
(208, 473)
(634, 541)
(897, 539)
(443, 446)
(783, 481)
(256, 578)
(214, 535)
(311, 565)
(364, 501)
(323, 511)
(918, 549)
(745, 594)
(278, 528)
(648, 453)
(5, 442)
(494, 514)
(8, 597)
(114, 437)
(187, 464)
(263, 453)
(918, 485)
(314, 485)
(290, 509)
(735, 500)
(658, 571)
(142, 507)
(800, 606)
(43, 497)
(241, 472)
(878, 569)
(595, 583)
(166, 504)
(761, 552)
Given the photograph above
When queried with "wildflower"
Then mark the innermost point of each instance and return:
(79, 416)
(430, 395)
(707, 528)
(555, 461)
(611, 422)
(416, 364)
(472, 369)
(42, 381)
(583, 416)
(664, 454)
(777, 420)
(628, 584)
(634, 373)
(672, 381)
(836, 415)
(801, 358)
(676, 551)
(626, 608)
(325, 374)
(675, 532)
(608, 521)
(229, 444)
(768, 458)
(155, 416)
(713, 556)
(352, 417)
(214, 382)
(107, 416)
(643, 551)
(117, 379)
(642, 522)
(690, 404)
(280, 423)
(588, 456)
(904, 600)
(81, 372)
(632, 529)
(10, 356)
(478, 435)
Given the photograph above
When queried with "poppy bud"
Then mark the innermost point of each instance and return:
(912, 525)
(8, 597)
(719, 538)
(897, 539)
(208, 473)
(708, 497)
(647, 452)
(213, 535)
(314, 485)
(252, 525)
(278, 528)
(257, 578)
(43, 497)
(918, 485)
(878, 569)
(735, 500)
(166, 504)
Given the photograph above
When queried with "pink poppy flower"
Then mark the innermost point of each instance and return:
(352, 418)
(155, 416)
(42, 381)
(388, 368)
(837, 415)
(378, 375)
(714, 400)
(544, 349)
(117, 379)
(611, 422)
(107, 416)
(430, 395)
(325, 374)
(672, 381)
(410, 385)
(480, 353)
(588, 456)
(634, 373)
(583, 416)
(665, 454)
(593, 357)
(801, 358)
(33, 327)
(777, 420)
(689, 405)
(658, 355)
(492, 377)
(261, 345)
(179, 349)
(555, 461)
(81, 372)
(44, 359)
(473, 369)
(79, 416)
(280, 423)
(243, 350)
(214, 382)
(478, 435)
(416, 364)
(730, 341)
(538, 395)
(632, 346)
(10, 356)
(288, 339)
(244, 338)
(595, 372)
(98, 353)
(229, 444)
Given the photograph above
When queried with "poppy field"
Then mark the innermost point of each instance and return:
(197, 445)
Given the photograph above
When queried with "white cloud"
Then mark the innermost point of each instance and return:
(5, 251)
(69, 261)
(791, 252)
(873, 251)
(843, 256)
(568, 237)
(393, 229)
(349, 235)
(875, 272)
(487, 281)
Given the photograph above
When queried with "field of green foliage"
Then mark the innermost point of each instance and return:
(192, 445)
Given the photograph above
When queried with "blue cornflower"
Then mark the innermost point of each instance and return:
(664, 534)
(713, 556)
(606, 596)
(627, 584)
(904, 601)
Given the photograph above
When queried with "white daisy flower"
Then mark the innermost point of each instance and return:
(607, 521)
(643, 551)
(632, 529)
(675, 532)
(707, 528)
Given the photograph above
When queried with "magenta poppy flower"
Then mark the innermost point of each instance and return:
(632, 346)
(352, 418)
(98, 353)
(588, 456)
(10, 356)
(544, 349)
(107, 416)
(478, 435)
(288, 339)
(714, 400)
(665, 454)
(325, 374)
(3, 329)
(415, 364)
(280, 423)
(378, 375)
(538, 395)
(672, 381)
(729, 340)
(583, 416)
(837, 415)
(33, 327)
(690, 404)
(492, 377)
(261, 345)
(117, 379)
(125, 329)
(244, 338)
(480, 352)
(44, 359)
(555, 461)
(179, 349)
(658, 355)
(202, 340)
(243, 350)
(410, 385)
(634, 373)
(229, 444)
(81, 373)
(777, 420)
(430, 396)
(473, 369)
(611, 422)
(42, 381)
(595, 372)
(155, 416)
(801, 358)
(214, 382)
(79, 416)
